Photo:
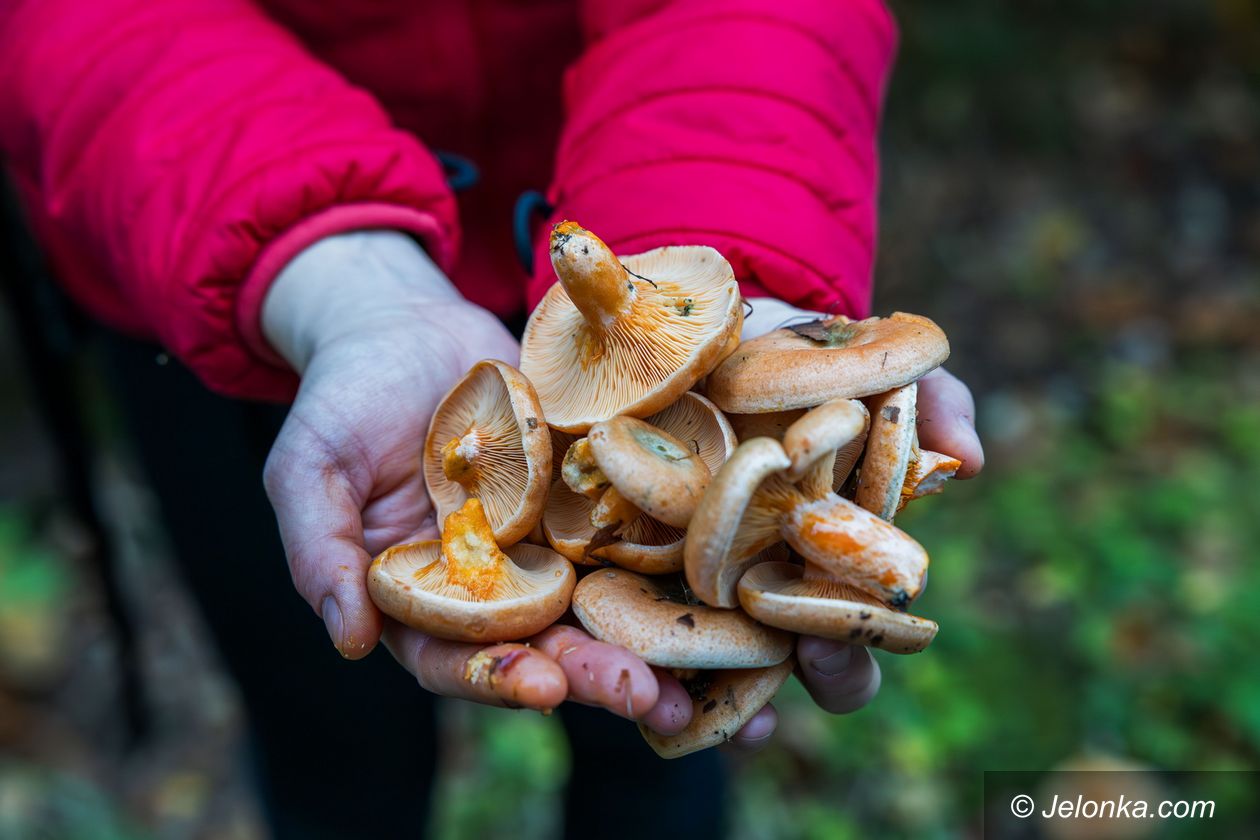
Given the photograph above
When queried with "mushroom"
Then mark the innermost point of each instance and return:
(643, 543)
(888, 451)
(751, 505)
(927, 475)
(835, 358)
(464, 588)
(626, 336)
(488, 440)
(804, 600)
(651, 469)
(837, 426)
(722, 702)
(656, 619)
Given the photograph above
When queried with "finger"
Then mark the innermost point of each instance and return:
(673, 708)
(841, 678)
(322, 533)
(600, 674)
(947, 420)
(513, 675)
(755, 734)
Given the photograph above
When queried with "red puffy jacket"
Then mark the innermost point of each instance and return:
(174, 155)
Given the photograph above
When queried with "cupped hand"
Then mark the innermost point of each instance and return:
(378, 336)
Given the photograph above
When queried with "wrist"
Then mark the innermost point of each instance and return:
(349, 282)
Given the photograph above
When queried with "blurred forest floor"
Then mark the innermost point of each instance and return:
(1073, 191)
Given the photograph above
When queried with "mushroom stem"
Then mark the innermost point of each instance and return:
(459, 459)
(595, 280)
(473, 559)
(857, 548)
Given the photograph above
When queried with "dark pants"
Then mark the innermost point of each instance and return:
(345, 749)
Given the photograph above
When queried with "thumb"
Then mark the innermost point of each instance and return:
(322, 530)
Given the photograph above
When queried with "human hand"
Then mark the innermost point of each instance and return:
(378, 335)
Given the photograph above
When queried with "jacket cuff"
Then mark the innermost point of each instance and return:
(342, 218)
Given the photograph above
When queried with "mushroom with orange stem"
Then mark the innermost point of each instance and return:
(658, 620)
(488, 440)
(808, 364)
(927, 475)
(722, 702)
(751, 504)
(644, 544)
(626, 335)
(889, 447)
(813, 599)
(465, 588)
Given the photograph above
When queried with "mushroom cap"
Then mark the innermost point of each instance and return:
(927, 475)
(889, 446)
(409, 583)
(494, 419)
(646, 546)
(678, 323)
(807, 365)
(854, 546)
(833, 426)
(722, 541)
(778, 594)
(722, 702)
(695, 420)
(653, 619)
(567, 523)
(655, 471)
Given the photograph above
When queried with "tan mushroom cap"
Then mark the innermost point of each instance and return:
(786, 595)
(807, 365)
(465, 589)
(699, 423)
(626, 336)
(722, 702)
(834, 426)
(567, 523)
(654, 619)
(488, 440)
(750, 505)
(655, 471)
(927, 475)
(889, 447)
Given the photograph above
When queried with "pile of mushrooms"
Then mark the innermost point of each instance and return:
(720, 496)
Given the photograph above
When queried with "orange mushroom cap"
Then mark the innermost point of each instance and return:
(488, 440)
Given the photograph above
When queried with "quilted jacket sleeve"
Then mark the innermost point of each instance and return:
(174, 155)
(748, 125)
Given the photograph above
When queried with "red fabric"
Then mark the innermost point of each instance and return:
(173, 156)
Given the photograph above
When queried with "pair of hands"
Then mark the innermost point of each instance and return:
(379, 335)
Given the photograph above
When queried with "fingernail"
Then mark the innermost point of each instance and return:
(332, 621)
(834, 664)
